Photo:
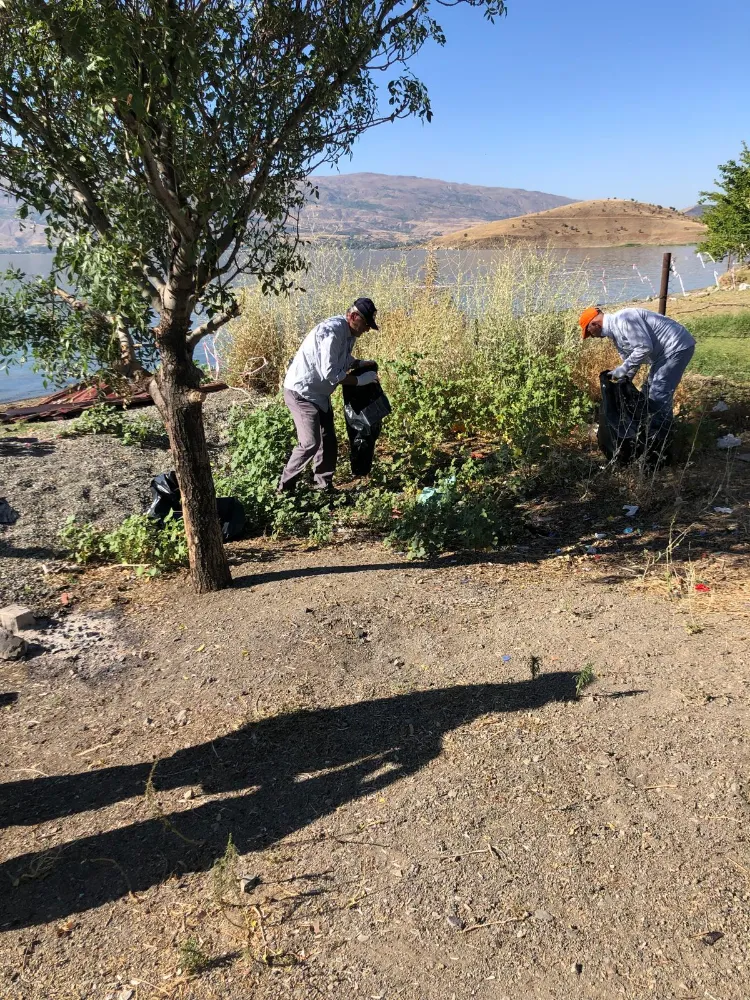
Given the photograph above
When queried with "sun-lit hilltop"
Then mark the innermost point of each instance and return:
(601, 223)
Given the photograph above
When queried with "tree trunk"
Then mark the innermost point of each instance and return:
(180, 402)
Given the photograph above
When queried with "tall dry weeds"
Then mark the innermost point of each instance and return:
(451, 309)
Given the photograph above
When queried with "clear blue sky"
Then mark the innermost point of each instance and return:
(638, 99)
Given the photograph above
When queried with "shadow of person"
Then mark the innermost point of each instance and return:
(290, 770)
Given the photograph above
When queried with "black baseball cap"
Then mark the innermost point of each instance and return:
(366, 308)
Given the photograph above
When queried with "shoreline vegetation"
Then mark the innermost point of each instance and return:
(524, 289)
(491, 391)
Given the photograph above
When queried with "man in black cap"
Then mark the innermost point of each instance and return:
(321, 363)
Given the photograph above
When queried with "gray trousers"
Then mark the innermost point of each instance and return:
(316, 441)
(663, 380)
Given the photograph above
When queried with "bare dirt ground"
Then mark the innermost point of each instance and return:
(352, 775)
(420, 806)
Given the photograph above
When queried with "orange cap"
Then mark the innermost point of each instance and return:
(586, 316)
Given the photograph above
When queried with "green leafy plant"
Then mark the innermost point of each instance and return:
(138, 541)
(727, 210)
(105, 419)
(193, 959)
(584, 677)
(99, 419)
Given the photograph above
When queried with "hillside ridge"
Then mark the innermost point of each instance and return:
(595, 223)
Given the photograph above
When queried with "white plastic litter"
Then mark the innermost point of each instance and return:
(729, 441)
(630, 509)
(721, 407)
(723, 510)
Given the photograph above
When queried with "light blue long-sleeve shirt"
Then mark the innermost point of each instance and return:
(644, 337)
(322, 361)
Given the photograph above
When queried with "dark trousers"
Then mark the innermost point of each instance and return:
(663, 380)
(316, 441)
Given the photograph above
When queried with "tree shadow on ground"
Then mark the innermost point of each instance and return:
(25, 447)
(9, 551)
(288, 770)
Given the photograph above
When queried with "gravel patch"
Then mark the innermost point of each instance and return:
(45, 478)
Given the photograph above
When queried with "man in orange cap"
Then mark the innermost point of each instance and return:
(644, 337)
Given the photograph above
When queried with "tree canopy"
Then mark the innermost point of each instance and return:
(168, 146)
(727, 213)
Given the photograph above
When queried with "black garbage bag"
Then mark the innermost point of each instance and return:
(166, 496)
(232, 517)
(623, 420)
(365, 407)
(166, 499)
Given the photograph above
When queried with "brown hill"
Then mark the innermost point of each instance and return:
(586, 224)
(380, 207)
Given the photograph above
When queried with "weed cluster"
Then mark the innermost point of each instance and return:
(104, 419)
(139, 541)
(467, 508)
(484, 364)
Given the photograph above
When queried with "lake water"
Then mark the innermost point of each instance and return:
(616, 274)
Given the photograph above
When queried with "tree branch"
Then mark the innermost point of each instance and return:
(154, 172)
(211, 326)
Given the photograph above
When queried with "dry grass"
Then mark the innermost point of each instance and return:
(523, 294)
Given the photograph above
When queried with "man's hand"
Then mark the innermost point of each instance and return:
(367, 378)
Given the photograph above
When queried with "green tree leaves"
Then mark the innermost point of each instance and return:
(727, 214)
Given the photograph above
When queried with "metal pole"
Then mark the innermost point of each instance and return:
(664, 289)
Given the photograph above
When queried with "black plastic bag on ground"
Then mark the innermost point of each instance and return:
(232, 517)
(623, 420)
(166, 499)
(365, 407)
(166, 496)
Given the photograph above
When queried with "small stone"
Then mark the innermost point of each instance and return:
(15, 617)
(543, 915)
(455, 922)
(189, 794)
(576, 968)
(712, 937)
(12, 647)
(181, 717)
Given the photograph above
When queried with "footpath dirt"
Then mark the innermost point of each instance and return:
(351, 775)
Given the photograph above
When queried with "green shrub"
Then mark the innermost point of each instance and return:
(463, 510)
(139, 540)
(99, 419)
(524, 401)
(104, 419)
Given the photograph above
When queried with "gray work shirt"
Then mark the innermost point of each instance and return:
(322, 361)
(644, 337)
